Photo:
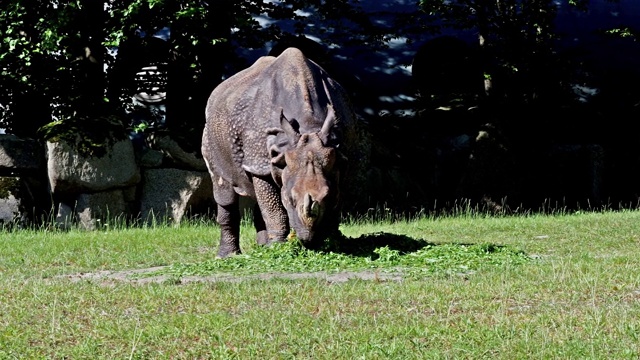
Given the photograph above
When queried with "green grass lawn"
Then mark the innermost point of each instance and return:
(473, 287)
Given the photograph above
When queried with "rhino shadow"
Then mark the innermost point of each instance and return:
(364, 245)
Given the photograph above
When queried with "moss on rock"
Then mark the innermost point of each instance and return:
(90, 137)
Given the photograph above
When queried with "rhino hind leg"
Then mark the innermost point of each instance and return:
(228, 218)
(274, 225)
(262, 238)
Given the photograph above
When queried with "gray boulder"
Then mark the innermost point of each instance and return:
(19, 155)
(98, 209)
(170, 194)
(9, 204)
(176, 155)
(23, 199)
(65, 215)
(149, 158)
(70, 172)
(92, 211)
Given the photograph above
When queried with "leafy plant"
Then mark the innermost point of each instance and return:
(412, 257)
(141, 127)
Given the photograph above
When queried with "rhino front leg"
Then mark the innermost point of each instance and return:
(274, 216)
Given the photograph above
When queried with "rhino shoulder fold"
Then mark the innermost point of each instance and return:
(257, 168)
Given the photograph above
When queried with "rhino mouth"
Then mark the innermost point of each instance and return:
(309, 238)
(310, 211)
(306, 229)
(304, 235)
(309, 215)
(310, 232)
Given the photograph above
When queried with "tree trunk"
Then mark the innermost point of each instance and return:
(93, 82)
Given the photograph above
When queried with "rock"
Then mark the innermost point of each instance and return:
(65, 216)
(99, 209)
(180, 158)
(150, 158)
(9, 204)
(22, 199)
(92, 211)
(70, 172)
(169, 194)
(130, 194)
(19, 155)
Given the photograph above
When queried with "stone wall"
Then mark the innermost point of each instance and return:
(41, 183)
(52, 184)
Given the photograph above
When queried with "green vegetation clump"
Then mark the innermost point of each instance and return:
(377, 252)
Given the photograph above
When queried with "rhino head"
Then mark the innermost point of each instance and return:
(306, 169)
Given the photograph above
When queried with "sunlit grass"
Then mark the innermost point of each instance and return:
(562, 286)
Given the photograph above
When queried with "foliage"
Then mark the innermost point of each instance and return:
(623, 32)
(54, 52)
(73, 61)
(48, 46)
(517, 45)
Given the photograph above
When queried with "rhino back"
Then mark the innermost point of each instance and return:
(304, 91)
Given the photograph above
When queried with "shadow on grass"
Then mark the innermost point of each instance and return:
(365, 245)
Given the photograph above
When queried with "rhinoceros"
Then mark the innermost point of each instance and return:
(274, 132)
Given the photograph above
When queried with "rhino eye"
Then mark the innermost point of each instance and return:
(330, 158)
(289, 157)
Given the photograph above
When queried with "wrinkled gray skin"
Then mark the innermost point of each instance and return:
(272, 133)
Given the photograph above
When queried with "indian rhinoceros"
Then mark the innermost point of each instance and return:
(274, 132)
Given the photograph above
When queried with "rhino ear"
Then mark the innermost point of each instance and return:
(288, 128)
(326, 133)
(280, 139)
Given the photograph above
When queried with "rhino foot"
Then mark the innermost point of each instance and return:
(275, 241)
(225, 253)
(278, 236)
(262, 238)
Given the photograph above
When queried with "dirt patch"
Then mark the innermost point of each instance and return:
(146, 276)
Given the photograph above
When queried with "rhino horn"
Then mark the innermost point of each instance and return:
(329, 123)
(311, 207)
(315, 209)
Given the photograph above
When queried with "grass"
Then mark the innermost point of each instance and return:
(565, 286)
